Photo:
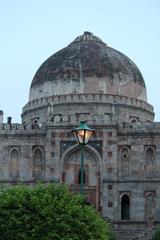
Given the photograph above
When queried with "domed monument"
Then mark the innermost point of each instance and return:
(90, 81)
(89, 71)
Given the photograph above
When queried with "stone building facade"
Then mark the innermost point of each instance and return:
(89, 81)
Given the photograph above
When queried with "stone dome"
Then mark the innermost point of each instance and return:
(88, 66)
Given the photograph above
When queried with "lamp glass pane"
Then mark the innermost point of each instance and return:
(75, 134)
(88, 134)
(81, 136)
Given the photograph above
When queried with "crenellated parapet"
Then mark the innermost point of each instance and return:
(130, 128)
(84, 98)
(99, 108)
(15, 128)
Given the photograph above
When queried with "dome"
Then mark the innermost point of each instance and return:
(88, 65)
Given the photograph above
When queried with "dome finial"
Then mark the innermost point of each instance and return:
(87, 32)
(88, 36)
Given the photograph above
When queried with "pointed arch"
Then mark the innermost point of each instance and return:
(38, 164)
(14, 163)
(149, 205)
(125, 207)
(133, 120)
(124, 163)
(75, 148)
(70, 163)
(149, 156)
(149, 161)
(35, 124)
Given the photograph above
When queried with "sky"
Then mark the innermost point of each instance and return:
(33, 30)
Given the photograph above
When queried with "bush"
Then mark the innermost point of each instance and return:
(48, 212)
(156, 235)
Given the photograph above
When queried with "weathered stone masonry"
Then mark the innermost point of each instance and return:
(89, 81)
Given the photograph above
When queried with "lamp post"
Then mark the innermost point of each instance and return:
(82, 134)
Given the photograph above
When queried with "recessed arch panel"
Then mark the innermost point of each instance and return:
(14, 163)
(71, 161)
(38, 164)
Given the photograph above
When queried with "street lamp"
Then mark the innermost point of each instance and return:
(82, 134)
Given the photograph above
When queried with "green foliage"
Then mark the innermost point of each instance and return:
(156, 235)
(112, 235)
(48, 212)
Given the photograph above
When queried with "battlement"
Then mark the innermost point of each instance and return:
(80, 98)
(150, 127)
(15, 128)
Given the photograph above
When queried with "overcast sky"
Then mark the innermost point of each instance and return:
(32, 30)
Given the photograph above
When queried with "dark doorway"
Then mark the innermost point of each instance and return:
(125, 207)
(84, 176)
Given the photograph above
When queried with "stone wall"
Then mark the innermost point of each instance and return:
(139, 180)
(96, 107)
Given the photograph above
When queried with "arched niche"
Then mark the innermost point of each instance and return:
(35, 124)
(149, 206)
(133, 120)
(14, 163)
(149, 162)
(38, 164)
(149, 155)
(71, 168)
(124, 162)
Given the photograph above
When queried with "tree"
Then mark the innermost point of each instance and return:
(156, 235)
(48, 212)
